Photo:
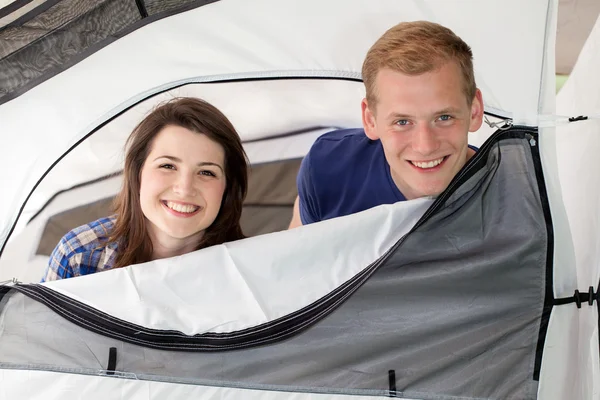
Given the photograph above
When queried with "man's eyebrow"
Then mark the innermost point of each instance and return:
(449, 110)
(396, 115)
(200, 164)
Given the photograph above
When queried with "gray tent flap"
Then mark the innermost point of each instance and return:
(454, 310)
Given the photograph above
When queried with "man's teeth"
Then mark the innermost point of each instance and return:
(182, 208)
(428, 164)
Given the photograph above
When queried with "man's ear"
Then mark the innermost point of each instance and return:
(476, 112)
(368, 120)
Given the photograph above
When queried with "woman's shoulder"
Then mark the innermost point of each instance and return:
(89, 236)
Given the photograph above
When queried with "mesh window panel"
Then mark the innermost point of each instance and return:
(51, 39)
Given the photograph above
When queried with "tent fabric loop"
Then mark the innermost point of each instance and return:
(578, 298)
(579, 118)
(392, 382)
(112, 361)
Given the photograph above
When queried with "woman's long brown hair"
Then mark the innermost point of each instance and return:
(130, 230)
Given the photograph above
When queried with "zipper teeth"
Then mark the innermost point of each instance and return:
(247, 337)
(470, 165)
(308, 315)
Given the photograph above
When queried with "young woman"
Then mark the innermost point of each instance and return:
(184, 182)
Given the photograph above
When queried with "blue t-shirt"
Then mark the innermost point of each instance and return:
(344, 173)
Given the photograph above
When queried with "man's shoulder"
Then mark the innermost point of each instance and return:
(340, 146)
(343, 137)
(87, 237)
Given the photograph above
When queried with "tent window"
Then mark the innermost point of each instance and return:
(268, 206)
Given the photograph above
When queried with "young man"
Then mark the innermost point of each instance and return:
(421, 103)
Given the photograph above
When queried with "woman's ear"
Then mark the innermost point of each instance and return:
(368, 120)
(476, 112)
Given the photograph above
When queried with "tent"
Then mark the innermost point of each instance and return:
(482, 293)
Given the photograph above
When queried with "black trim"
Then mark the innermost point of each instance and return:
(95, 47)
(549, 292)
(141, 8)
(392, 382)
(112, 361)
(12, 7)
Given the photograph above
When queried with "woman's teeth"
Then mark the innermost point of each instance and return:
(182, 208)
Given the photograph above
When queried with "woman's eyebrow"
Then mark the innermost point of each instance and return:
(200, 164)
(205, 163)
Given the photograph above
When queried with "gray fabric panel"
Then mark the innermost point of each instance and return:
(455, 311)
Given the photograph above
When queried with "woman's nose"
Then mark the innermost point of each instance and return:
(185, 185)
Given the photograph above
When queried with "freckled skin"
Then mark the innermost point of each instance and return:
(423, 118)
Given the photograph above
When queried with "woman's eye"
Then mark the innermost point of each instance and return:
(208, 173)
(167, 166)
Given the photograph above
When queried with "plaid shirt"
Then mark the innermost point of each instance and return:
(82, 251)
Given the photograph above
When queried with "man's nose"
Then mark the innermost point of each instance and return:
(425, 140)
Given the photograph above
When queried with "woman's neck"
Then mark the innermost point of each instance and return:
(164, 246)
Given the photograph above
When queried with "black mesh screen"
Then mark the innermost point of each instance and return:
(58, 34)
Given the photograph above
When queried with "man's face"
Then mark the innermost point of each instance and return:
(423, 123)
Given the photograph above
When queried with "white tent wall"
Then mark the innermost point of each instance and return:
(570, 364)
(71, 105)
(570, 151)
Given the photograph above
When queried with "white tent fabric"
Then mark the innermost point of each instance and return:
(254, 281)
(517, 82)
(79, 104)
(571, 150)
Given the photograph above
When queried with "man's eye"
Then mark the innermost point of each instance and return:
(402, 122)
(208, 173)
(445, 117)
(167, 166)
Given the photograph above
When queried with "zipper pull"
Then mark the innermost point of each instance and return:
(10, 282)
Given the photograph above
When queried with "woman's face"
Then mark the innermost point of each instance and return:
(182, 184)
